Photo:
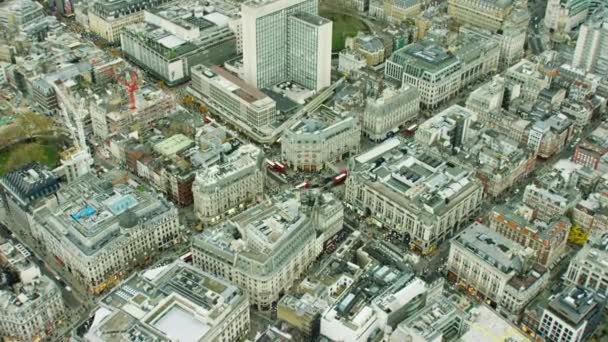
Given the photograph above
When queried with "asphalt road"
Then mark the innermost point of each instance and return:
(535, 31)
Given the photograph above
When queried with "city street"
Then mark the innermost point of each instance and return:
(536, 28)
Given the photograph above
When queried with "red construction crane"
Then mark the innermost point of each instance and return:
(131, 86)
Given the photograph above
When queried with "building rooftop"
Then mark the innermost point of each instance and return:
(492, 247)
(260, 239)
(427, 324)
(94, 213)
(113, 9)
(30, 182)
(21, 298)
(323, 122)
(575, 304)
(522, 216)
(311, 19)
(173, 302)
(173, 145)
(242, 161)
(421, 181)
(488, 325)
(425, 55)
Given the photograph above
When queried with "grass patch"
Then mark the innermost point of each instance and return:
(344, 26)
(45, 152)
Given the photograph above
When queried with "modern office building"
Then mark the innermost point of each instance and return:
(108, 18)
(388, 110)
(566, 15)
(312, 143)
(414, 193)
(101, 228)
(547, 239)
(30, 311)
(572, 316)
(233, 99)
(266, 248)
(591, 52)
(450, 128)
(275, 33)
(587, 268)
(176, 302)
(175, 37)
(495, 269)
(229, 186)
(309, 53)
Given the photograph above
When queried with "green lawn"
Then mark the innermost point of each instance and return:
(344, 26)
(45, 152)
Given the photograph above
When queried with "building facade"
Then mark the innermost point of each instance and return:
(247, 106)
(587, 268)
(309, 53)
(275, 33)
(32, 312)
(417, 195)
(494, 269)
(264, 249)
(392, 108)
(573, 316)
(312, 143)
(227, 187)
(108, 18)
(488, 15)
(591, 52)
(175, 302)
(98, 233)
(172, 39)
(438, 74)
(547, 239)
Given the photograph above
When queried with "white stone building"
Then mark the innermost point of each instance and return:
(312, 143)
(32, 311)
(385, 113)
(227, 187)
(98, 231)
(416, 194)
(494, 268)
(266, 248)
(176, 302)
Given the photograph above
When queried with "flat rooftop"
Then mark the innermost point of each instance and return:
(176, 302)
(259, 240)
(420, 181)
(425, 54)
(244, 161)
(575, 304)
(489, 326)
(311, 19)
(489, 246)
(93, 212)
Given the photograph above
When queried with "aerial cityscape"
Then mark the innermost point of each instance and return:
(304, 170)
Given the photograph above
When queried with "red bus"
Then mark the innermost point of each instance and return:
(187, 257)
(304, 185)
